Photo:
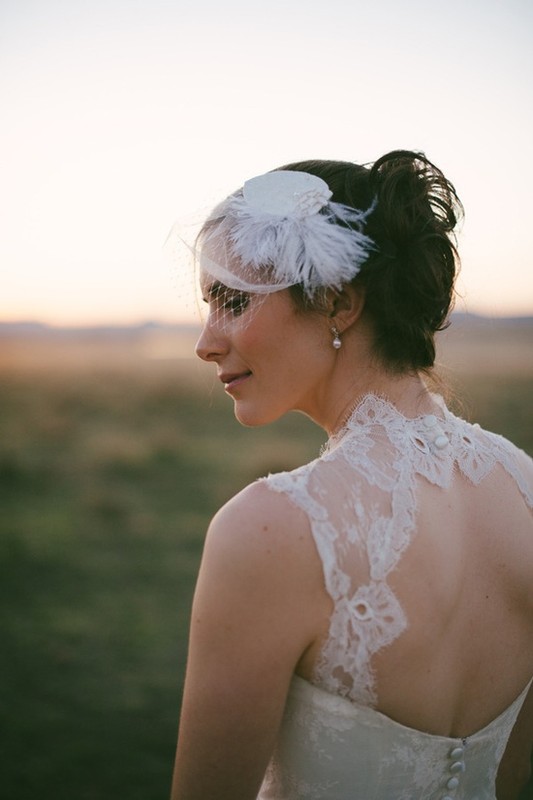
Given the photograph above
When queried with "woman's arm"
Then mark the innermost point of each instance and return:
(515, 766)
(259, 595)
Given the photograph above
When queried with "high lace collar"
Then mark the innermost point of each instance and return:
(374, 409)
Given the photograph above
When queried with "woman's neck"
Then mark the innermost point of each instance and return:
(407, 392)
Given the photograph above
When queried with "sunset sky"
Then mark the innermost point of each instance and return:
(118, 116)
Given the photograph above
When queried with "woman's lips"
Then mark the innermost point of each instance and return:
(232, 381)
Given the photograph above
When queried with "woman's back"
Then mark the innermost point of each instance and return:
(465, 586)
(427, 551)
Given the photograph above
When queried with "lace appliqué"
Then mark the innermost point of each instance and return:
(360, 497)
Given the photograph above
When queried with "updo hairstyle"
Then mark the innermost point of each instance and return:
(409, 278)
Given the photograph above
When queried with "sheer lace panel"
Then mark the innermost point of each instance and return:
(360, 498)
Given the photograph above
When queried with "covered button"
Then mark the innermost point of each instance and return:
(453, 783)
(457, 766)
(457, 752)
(441, 441)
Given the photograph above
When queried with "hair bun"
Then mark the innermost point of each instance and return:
(410, 280)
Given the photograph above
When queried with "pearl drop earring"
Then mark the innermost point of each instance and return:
(337, 344)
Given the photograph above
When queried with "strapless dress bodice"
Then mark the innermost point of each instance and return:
(332, 749)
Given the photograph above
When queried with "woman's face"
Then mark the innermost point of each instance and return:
(270, 357)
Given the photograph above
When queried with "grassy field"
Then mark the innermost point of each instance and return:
(113, 457)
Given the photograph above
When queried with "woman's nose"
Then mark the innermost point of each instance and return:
(212, 342)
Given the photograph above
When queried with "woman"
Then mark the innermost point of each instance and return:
(362, 626)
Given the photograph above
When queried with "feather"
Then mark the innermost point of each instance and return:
(280, 230)
(314, 250)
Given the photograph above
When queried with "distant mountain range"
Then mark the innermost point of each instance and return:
(31, 329)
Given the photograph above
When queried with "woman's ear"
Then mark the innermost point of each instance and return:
(346, 306)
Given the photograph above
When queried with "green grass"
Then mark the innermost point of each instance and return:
(108, 479)
(107, 484)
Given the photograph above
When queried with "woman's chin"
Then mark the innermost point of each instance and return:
(253, 417)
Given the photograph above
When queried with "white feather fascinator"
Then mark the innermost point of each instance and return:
(280, 230)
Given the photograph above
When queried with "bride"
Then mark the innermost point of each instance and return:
(362, 627)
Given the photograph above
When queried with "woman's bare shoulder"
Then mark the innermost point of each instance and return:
(259, 540)
(256, 511)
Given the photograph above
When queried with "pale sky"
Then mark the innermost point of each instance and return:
(118, 116)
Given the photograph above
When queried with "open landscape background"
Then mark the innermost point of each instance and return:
(116, 447)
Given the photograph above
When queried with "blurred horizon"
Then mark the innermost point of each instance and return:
(471, 342)
(36, 325)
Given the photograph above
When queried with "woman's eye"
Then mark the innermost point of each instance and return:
(223, 300)
(236, 304)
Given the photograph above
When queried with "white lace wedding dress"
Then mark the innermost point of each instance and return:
(361, 500)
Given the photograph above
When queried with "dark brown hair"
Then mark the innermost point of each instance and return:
(409, 277)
